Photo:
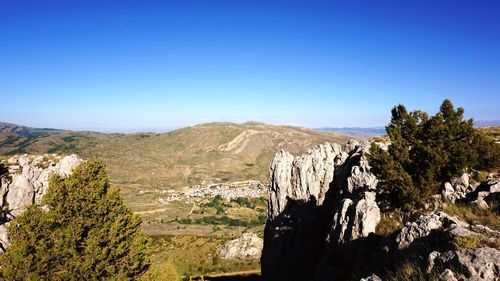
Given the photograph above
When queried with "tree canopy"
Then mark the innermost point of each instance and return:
(427, 151)
(83, 232)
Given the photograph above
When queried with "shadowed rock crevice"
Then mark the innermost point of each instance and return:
(295, 236)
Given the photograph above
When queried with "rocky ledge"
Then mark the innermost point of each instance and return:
(26, 182)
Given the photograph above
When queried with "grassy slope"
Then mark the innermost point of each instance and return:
(187, 156)
(492, 131)
(193, 155)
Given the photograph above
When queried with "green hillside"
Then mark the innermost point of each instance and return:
(207, 153)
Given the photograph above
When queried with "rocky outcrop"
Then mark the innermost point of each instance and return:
(372, 277)
(25, 184)
(303, 178)
(248, 245)
(486, 192)
(356, 213)
(418, 229)
(324, 197)
(459, 189)
(476, 264)
(322, 216)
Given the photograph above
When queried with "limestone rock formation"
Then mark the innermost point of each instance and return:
(322, 215)
(248, 245)
(302, 178)
(460, 189)
(448, 275)
(418, 229)
(26, 183)
(326, 196)
(477, 264)
(482, 194)
(372, 277)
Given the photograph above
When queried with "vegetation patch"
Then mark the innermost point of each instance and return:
(389, 223)
(474, 215)
(427, 151)
(467, 242)
(194, 255)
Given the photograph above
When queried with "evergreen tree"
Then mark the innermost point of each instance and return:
(83, 232)
(425, 152)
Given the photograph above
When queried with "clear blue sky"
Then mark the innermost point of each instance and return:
(120, 65)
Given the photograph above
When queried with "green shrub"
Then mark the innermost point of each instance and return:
(250, 203)
(185, 221)
(389, 223)
(84, 232)
(217, 203)
(244, 202)
(467, 242)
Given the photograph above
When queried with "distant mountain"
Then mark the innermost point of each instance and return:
(206, 153)
(357, 131)
(367, 132)
(486, 123)
(26, 131)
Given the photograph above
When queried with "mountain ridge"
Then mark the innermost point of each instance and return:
(200, 154)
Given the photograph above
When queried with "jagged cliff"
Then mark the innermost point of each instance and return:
(322, 216)
(326, 196)
(25, 183)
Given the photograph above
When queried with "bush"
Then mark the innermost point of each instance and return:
(427, 151)
(167, 272)
(217, 203)
(84, 232)
(250, 203)
(244, 202)
(467, 242)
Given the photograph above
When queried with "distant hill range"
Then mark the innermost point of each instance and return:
(367, 132)
(26, 131)
(206, 153)
(356, 131)
(486, 123)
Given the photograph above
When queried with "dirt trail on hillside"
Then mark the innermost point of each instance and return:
(234, 273)
(149, 212)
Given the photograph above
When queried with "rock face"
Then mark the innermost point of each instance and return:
(248, 246)
(26, 183)
(322, 215)
(324, 197)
